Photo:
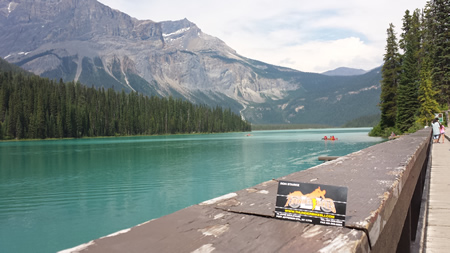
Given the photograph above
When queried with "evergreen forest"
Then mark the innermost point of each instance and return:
(415, 81)
(32, 107)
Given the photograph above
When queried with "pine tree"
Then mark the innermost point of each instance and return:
(440, 27)
(407, 95)
(428, 105)
(40, 118)
(390, 77)
(427, 93)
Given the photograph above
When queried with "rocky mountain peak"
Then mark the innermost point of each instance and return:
(171, 27)
(38, 22)
(86, 41)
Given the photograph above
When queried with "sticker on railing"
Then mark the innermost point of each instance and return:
(311, 203)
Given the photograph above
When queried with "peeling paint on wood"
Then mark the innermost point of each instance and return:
(78, 248)
(218, 216)
(342, 243)
(207, 248)
(215, 231)
(218, 199)
(119, 232)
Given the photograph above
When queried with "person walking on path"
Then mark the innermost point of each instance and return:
(442, 133)
(436, 130)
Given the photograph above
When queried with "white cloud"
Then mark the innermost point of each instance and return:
(312, 36)
(319, 56)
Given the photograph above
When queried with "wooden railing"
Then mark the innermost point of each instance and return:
(385, 184)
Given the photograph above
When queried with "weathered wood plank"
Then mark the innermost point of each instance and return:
(380, 180)
(204, 229)
(376, 188)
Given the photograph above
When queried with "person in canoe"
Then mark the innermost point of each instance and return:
(331, 138)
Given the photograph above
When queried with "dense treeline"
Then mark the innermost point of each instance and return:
(287, 126)
(32, 107)
(364, 121)
(415, 75)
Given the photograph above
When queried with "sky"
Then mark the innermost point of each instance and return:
(306, 35)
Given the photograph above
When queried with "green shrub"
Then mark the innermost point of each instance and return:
(414, 128)
(376, 131)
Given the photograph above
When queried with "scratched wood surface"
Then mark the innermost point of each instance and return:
(206, 229)
(379, 191)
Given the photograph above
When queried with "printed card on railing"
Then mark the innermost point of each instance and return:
(311, 203)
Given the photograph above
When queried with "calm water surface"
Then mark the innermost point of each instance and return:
(58, 194)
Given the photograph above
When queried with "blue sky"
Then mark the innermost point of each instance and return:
(311, 36)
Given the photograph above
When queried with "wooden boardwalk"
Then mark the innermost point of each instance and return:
(437, 235)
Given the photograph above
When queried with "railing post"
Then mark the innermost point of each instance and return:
(404, 244)
(416, 201)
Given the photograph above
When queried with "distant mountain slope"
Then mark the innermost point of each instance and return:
(86, 41)
(343, 71)
(8, 67)
(323, 100)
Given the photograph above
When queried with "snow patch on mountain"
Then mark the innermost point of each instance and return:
(176, 32)
(11, 7)
(364, 89)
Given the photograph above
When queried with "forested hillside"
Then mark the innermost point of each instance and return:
(39, 108)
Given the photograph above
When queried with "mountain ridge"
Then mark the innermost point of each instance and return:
(344, 71)
(89, 42)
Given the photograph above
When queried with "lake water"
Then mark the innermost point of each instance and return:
(57, 194)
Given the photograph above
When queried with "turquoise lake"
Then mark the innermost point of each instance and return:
(56, 194)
